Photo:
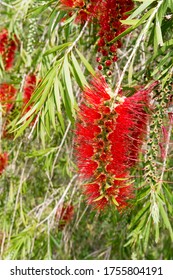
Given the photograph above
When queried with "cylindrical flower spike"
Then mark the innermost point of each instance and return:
(3, 162)
(8, 47)
(29, 87)
(64, 215)
(108, 141)
(72, 3)
(7, 97)
(108, 15)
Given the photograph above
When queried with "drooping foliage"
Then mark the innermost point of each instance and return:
(86, 129)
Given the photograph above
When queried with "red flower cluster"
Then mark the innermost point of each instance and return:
(108, 14)
(29, 87)
(3, 162)
(72, 3)
(8, 48)
(65, 215)
(7, 97)
(108, 142)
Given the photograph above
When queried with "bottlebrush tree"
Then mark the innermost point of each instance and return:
(86, 157)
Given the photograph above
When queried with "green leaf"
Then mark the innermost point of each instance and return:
(157, 234)
(161, 50)
(114, 201)
(23, 127)
(168, 193)
(158, 40)
(130, 21)
(170, 4)
(57, 48)
(86, 63)
(69, 20)
(51, 110)
(140, 214)
(55, 241)
(128, 30)
(165, 217)
(57, 98)
(134, 235)
(65, 99)
(146, 234)
(161, 63)
(98, 198)
(68, 84)
(38, 10)
(141, 8)
(78, 71)
(40, 153)
(143, 194)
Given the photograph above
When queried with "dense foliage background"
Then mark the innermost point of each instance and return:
(52, 53)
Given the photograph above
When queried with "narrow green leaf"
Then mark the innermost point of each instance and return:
(86, 63)
(78, 70)
(128, 30)
(57, 98)
(140, 214)
(147, 234)
(141, 8)
(165, 217)
(28, 114)
(157, 233)
(40, 153)
(51, 110)
(68, 84)
(161, 50)
(168, 193)
(114, 201)
(161, 63)
(158, 40)
(98, 198)
(38, 10)
(130, 21)
(23, 127)
(57, 48)
(66, 100)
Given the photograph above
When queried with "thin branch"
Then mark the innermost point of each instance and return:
(59, 148)
(53, 212)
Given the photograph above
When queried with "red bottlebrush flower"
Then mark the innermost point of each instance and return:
(108, 14)
(64, 215)
(29, 87)
(7, 96)
(108, 142)
(3, 162)
(5, 133)
(8, 47)
(82, 16)
(73, 3)
(3, 40)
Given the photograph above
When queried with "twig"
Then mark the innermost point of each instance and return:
(59, 148)
(16, 203)
(7, 5)
(52, 213)
(78, 37)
